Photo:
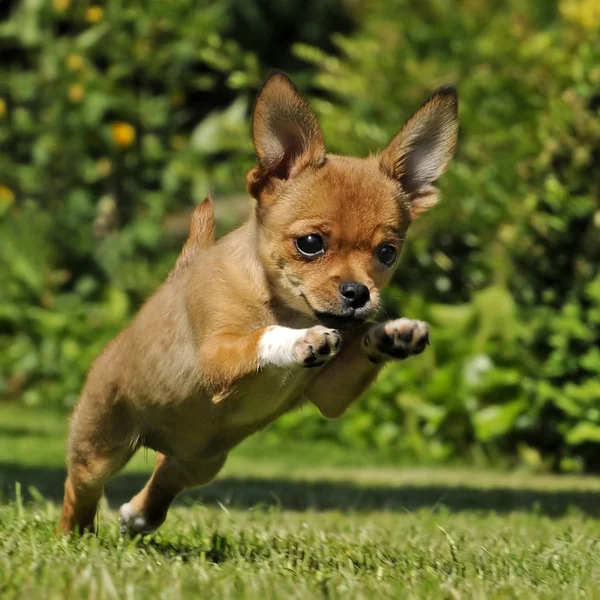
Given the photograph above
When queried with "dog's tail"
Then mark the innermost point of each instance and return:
(202, 234)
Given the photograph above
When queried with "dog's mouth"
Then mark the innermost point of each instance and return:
(350, 319)
(334, 321)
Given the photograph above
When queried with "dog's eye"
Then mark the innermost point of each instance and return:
(386, 254)
(310, 245)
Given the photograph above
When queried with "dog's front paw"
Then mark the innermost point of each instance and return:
(284, 347)
(317, 346)
(396, 339)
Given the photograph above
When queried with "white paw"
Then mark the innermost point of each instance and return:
(318, 346)
(312, 347)
(133, 523)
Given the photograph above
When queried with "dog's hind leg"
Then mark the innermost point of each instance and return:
(98, 450)
(146, 511)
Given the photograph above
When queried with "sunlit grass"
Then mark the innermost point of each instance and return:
(300, 521)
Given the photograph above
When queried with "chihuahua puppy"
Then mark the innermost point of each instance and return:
(272, 316)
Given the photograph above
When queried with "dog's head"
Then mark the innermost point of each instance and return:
(331, 228)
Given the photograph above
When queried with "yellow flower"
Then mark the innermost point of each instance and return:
(2, 107)
(61, 5)
(104, 167)
(585, 13)
(75, 62)
(94, 14)
(177, 98)
(7, 196)
(76, 92)
(123, 133)
(178, 142)
(142, 49)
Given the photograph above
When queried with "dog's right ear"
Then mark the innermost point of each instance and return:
(286, 135)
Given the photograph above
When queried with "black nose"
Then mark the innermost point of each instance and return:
(354, 294)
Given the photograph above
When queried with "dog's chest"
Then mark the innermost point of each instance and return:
(266, 395)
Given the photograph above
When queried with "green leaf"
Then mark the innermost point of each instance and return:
(207, 138)
(583, 432)
(496, 420)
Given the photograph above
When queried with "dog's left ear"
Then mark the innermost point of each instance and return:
(420, 153)
(286, 134)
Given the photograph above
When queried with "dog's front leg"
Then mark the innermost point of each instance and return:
(365, 351)
(227, 357)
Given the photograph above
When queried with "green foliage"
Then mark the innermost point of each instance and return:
(98, 105)
(115, 118)
(517, 234)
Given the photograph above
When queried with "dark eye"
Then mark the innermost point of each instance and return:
(386, 254)
(310, 245)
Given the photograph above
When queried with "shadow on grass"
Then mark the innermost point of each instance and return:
(217, 550)
(299, 495)
(11, 431)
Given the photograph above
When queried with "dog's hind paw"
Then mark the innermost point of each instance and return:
(396, 339)
(132, 522)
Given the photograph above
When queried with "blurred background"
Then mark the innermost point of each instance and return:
(117, 117)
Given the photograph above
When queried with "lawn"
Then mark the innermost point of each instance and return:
(300, 521)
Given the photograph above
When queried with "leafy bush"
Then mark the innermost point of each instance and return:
(98, 103)
(116, 117)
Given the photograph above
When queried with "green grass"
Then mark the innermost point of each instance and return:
(300, 521)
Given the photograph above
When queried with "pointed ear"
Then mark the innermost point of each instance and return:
(286, 134)
(420, 153)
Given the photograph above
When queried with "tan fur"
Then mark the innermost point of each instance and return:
(202, 234)
(190, 377)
